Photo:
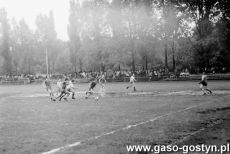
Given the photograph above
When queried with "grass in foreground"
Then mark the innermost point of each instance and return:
(35, 125)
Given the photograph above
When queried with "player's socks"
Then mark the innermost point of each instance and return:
(73, 96)
(60, 98)
(209, 91)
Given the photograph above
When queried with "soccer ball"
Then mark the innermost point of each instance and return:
(96, 98)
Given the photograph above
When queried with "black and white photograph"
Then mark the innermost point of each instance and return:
(114, 77)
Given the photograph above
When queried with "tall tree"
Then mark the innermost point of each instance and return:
(23, 47)
(47, 36)
(5, 47)
(74, 32)
(202, 12)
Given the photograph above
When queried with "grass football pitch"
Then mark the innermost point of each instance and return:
(174, 113)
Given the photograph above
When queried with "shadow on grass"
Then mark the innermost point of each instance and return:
(209, 111)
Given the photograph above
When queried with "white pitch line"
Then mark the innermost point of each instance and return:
(78, 143)
(174, 93)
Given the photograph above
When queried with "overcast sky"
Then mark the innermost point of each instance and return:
(29, 9)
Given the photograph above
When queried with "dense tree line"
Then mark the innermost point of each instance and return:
(122, 34)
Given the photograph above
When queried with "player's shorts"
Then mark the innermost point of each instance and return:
(203, 83)
(92, 85)
(203, 86)
(59, 89)
(64, 91)
(49, 89)
(132, 83)
(102, 81)
(70, 90)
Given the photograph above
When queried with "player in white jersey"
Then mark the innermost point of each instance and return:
(132, 82)
(102, 80)
(48, 87)
(59, 86)
(70, 88)
(204, 83)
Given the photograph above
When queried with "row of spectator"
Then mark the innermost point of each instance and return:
(109, 74)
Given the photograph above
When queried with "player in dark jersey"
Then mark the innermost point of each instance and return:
(92, 85)
(63, 91)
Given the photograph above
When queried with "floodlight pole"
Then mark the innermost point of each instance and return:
(47, 63)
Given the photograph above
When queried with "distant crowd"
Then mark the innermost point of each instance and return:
(109, 74)
(124, 73)
(160, 73)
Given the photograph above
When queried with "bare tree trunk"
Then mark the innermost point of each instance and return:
(29, 65)
(173, 56)
(75, 66)
(80, 64)
(16, 69)
(166, 56)
(165, 39)
(146, 63)
(102, 67)
(133, 62)
(133, 56)
(75, 63)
